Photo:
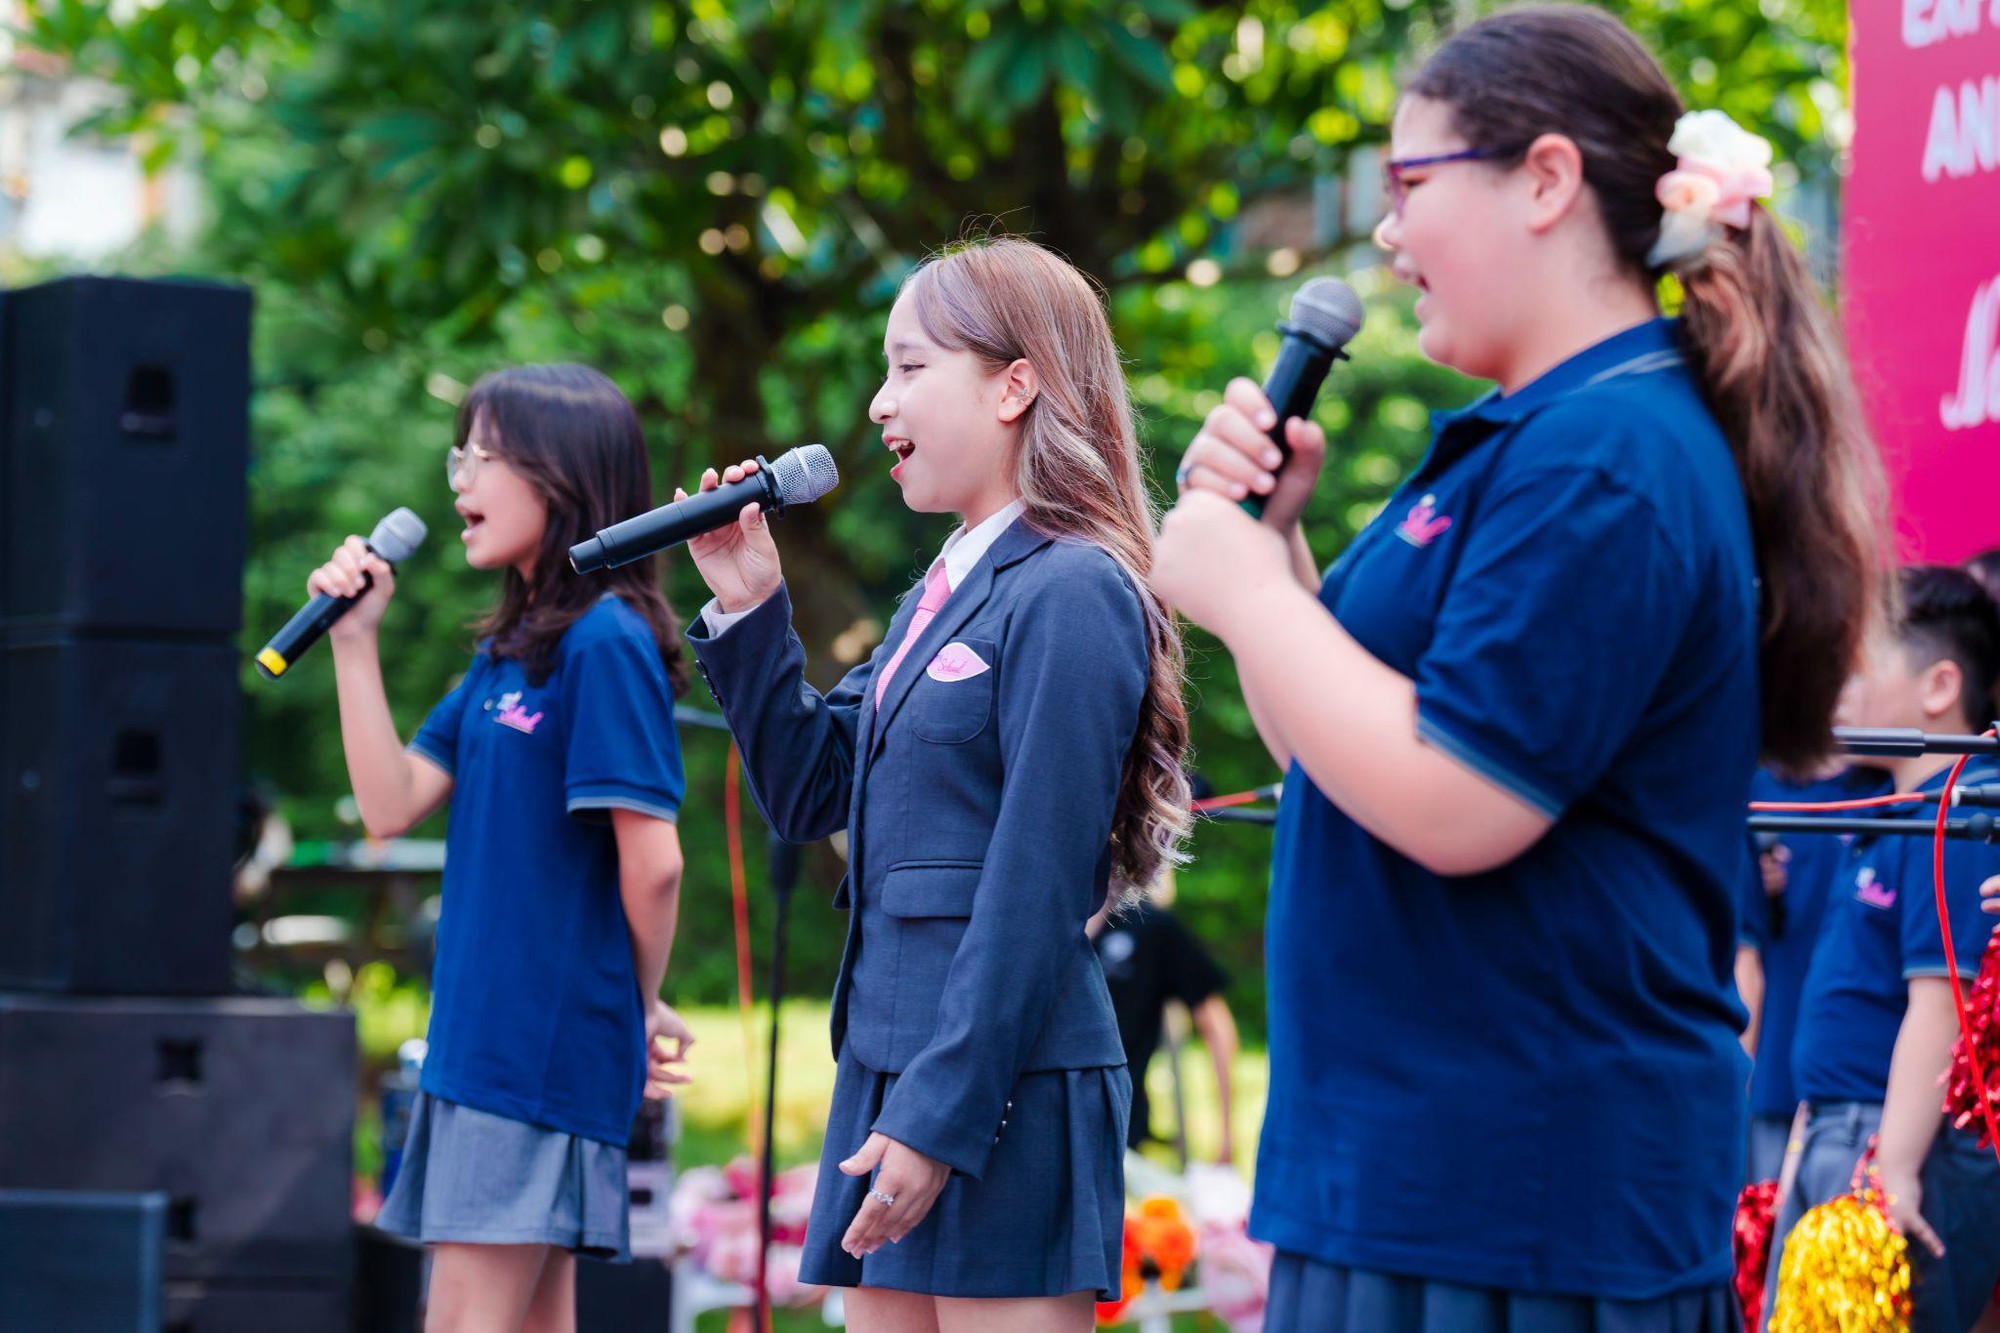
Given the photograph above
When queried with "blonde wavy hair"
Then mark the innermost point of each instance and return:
(1078, 475)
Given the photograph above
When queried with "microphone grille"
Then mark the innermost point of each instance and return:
(804, 474)
(1327, 309)
(397, 536)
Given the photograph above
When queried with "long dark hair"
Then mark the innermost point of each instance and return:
(575, 438)
(1764, 348)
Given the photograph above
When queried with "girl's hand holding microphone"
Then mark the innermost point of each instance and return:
(1211, 553)
(1233, 456)
(739, 563)
(355, 571)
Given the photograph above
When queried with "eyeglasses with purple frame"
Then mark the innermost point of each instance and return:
(1393, 169)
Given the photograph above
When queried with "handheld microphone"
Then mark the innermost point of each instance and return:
(1325, 316)
(798, 476)
(394, 539)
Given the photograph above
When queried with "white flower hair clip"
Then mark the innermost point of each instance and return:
(1723, 170)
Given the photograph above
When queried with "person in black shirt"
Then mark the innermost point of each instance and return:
(1149, 957)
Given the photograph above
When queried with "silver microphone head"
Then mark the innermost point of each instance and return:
(397, 536)
(1328, 311)
(803, 474)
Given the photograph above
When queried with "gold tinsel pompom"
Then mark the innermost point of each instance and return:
(1844, 1271)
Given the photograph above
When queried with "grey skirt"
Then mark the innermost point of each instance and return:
(1045, 1218)
(483, 1179)
(1308, 1296)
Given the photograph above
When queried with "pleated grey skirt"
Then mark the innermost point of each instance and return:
(1046, 1217)
(1311, 1297)
(484, 1179)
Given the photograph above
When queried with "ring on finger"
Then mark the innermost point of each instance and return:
(886, 1200)
(1181, 472)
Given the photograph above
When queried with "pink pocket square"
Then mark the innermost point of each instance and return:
(955, 661)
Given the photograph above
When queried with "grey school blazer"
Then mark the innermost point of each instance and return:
(978, 805)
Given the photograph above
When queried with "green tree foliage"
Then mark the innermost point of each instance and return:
(714, 202)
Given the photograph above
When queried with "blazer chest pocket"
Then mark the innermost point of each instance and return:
(954, 701)
(919, 889)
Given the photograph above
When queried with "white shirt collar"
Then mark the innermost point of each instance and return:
(965, 548)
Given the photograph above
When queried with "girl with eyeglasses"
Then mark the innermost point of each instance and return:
(1521, 712)
(558, 754)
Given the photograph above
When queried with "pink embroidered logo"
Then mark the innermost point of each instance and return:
(1424, 524)
(955, 661)
(1871, 892)
(511, 714)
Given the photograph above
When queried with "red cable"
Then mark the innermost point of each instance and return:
(733, 825)
(1814, 807)
(1951, 954)
(739, 896)
(1224, 802)
(1268, 792)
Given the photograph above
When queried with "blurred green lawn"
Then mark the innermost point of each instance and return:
(727, 1062)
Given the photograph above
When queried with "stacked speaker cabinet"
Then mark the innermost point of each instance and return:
(124, 450)
(126, 1069)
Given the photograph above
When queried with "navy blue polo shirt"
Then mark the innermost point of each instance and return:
(535, 1007)
(1882, 928)
(1785, 929)
(1529, 1079)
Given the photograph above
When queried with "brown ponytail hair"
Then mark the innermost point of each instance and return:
(1077, 472)
(1762, 345)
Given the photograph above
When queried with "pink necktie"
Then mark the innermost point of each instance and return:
(936, 589)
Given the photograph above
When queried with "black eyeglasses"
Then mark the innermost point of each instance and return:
(1399, 190)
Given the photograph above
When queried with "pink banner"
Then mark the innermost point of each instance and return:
(1921, 262)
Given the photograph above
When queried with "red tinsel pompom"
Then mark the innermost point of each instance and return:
(1961, 1093)
(1756, 1207)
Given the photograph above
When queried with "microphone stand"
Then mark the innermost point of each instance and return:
(1971, 828)
(1899, 743)
(784, 870)
(1905, 742)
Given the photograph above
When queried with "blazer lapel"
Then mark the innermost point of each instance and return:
(899, 625)
(1012, 546)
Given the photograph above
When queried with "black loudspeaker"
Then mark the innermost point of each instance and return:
(613, 1298)
(388, 1282)
(240, 1111)
(80, 1263)
(118, 776)
(126, 451)
(194, 1307)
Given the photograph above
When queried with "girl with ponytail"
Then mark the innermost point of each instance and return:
(1522, 711)
(1007, 761)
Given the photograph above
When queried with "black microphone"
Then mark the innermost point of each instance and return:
(394, 538)
(1325, 316)
(799, 476)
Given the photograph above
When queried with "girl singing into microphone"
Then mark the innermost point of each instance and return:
(558, 754)
(1008, 757)
(1522, 711)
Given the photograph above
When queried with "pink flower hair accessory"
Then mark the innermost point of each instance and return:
(1722, 170)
